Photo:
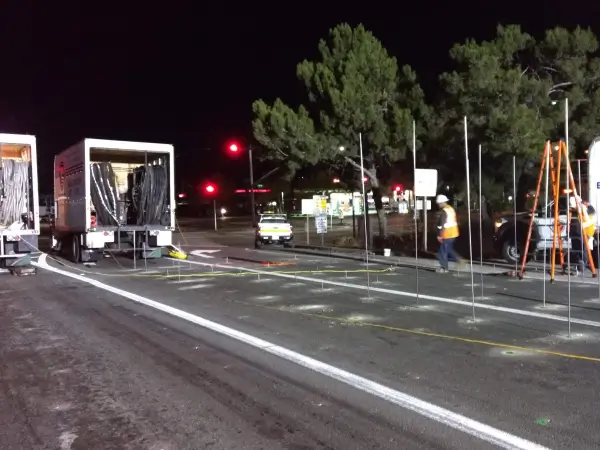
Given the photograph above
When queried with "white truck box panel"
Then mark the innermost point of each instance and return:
(594, 177)
(72, 183)
(31, 142)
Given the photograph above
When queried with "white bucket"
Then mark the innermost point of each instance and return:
(387, 252)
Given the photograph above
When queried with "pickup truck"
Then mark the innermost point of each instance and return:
(541, 235)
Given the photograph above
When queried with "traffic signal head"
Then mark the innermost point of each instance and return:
(210, 189)
(233, 147)
(398, 188)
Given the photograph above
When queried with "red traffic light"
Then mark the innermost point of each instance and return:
(210, 188)
(233, 148)
(398, 188)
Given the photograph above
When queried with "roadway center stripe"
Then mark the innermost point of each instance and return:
(458, 422)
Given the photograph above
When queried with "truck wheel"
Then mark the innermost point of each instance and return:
(75, 249)
(257, 244)
(510, 253)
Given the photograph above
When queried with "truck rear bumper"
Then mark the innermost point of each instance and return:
(275, 239)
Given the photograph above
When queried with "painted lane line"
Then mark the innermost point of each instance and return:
(188, 280)
(446, 417)
(503, 309)
(194, 286)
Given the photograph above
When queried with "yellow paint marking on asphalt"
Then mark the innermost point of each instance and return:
(430, 334)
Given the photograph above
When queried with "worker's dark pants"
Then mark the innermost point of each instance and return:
(578, 249)
(447, 252)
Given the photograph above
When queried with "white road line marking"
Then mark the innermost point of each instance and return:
(504, 309)
(188, 280)
(451, 419)
(195, 286)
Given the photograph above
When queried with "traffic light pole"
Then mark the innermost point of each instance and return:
(215, 212)
(251, 187)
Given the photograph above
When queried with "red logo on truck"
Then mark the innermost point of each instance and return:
(61, 175)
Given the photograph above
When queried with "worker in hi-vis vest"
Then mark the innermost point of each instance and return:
(580, 231)
(447, 234)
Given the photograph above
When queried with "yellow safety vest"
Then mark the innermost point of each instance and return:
(450, 228)
(587, 223)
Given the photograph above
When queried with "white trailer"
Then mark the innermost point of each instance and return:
(115, 196)
(19, 203)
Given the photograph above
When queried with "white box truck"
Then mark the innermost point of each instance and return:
(19, 203)
(113, 196)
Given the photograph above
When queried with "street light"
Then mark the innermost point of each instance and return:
(235, 148)
(336, 180)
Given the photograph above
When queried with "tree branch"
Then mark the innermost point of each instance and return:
(557, 87)
(372, 175)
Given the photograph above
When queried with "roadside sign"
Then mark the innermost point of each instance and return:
(425, 182)
(308, 206)
(598, 185)
(420, 205)
(320, 204)
(321, 223)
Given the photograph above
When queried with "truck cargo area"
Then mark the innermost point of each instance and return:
(129, 189)
(19, 218)
(114, 196)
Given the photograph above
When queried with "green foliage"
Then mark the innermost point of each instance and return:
(506, 86)
(354, 87)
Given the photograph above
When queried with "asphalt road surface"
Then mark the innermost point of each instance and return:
(244, 349)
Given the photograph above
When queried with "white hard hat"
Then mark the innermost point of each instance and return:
(441, 199)
(572, 203)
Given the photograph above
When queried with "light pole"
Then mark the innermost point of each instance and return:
(252, 203)
(234, 148)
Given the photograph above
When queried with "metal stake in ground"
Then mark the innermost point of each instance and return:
(415, 207)
(548, 152)
(469, 217)
(514, 199)
(598, 245)
(480, 226)
(567, 180)
(365, 211)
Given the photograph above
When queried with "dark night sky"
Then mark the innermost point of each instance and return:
(188, 75)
